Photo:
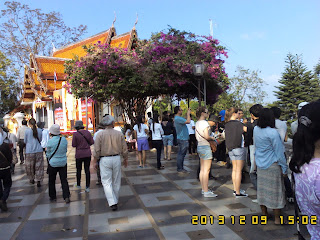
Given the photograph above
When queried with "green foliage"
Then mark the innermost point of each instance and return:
(245, 90)
(297, 85)
(9, 88)
(246, 87)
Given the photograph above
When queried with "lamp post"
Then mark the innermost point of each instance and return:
(198, 70)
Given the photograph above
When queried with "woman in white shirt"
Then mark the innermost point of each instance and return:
(204, 150)
(141, 130)
(157, 133)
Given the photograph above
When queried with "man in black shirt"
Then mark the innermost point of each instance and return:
(5, 175)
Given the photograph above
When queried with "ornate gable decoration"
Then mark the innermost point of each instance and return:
(124, 40)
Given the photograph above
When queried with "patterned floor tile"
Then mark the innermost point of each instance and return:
(49, 228)
(135, 219)
(151, 200)
(188, 231)
(47, 210)
(147, 179)
(176, 214)
(145, 234)
(101, 205)
(154, 187)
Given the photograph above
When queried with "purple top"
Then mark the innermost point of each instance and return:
(79, 142)
(308, 193)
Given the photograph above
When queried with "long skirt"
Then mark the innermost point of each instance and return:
(271, 190)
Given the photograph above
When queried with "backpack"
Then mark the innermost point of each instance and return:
(8, 141)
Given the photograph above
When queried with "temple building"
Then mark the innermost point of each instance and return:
(44, 96)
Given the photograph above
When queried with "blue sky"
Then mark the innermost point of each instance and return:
(258, 34)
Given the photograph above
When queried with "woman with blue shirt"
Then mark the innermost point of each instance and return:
(271, 165)
(34, 153)
(57, 157)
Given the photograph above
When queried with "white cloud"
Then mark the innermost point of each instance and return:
(253, 35)
(272, 79)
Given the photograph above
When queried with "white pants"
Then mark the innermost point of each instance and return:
(110, 170)
(253, 167)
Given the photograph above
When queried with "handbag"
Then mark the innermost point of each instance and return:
(213, 143)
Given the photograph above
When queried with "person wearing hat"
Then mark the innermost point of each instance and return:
(82, 140)
(222, 113)
(57, 163)
(109, 146)
(294, 125)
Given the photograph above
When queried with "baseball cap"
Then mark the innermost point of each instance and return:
(302, 105)
(222, 113)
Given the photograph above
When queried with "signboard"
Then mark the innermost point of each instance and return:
(57, 108)
(90, 113)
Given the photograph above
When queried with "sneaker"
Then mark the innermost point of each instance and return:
(241, 192)
(255, 200)
(98, 183)
(241, 195)
(290, 199)
(221, 163)
(87, 189)
(210, 194)
(185, 171)
(114, 207)
(4, 206)
(76, 186)
(209, 190)
(67, 200)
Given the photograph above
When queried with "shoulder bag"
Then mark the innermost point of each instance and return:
(85, 138)
(213, 143)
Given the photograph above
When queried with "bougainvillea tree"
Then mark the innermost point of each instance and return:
(168, 61)
(161, 66)
(107, 73)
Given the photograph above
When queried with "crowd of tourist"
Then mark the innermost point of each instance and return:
(254, 144)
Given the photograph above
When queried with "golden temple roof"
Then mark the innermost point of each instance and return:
(76, 49)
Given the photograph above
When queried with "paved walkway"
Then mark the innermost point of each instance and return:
(154, 204)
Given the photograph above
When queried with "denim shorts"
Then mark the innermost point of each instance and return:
(143, 144)
(238, 154)
(167, 140)
(204, 152)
